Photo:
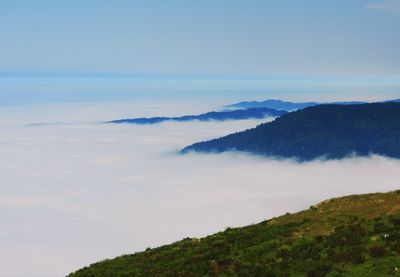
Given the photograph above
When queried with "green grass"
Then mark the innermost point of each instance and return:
(357, 235)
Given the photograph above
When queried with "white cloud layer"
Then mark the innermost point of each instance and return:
(73, 194)
(391, 6)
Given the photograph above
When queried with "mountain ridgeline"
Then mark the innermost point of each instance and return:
(290, 106)
(323, 131)
(255, 113)
(283, 105)
(272, 104)
(356, 235)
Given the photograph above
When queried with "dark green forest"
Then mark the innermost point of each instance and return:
(357, 235)
(324, 131)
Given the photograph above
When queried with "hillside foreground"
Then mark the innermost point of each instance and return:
(357, 235)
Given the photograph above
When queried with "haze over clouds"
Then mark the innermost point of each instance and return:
(82, 192)
(19, 90)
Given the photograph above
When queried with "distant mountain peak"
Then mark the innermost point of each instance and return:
(272, 104)
(290, 106)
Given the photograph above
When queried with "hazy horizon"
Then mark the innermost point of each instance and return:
(22, 90)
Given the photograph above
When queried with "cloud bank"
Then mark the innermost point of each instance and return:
(72, 194)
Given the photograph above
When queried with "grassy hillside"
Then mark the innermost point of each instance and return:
(330, 131)
(356, 235)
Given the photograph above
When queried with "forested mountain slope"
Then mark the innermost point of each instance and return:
(323, 131)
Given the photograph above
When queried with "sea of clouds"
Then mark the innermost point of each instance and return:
(74, 191)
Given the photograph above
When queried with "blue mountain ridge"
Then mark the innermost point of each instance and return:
(243, 110)
(284, 105)
(290, 106)
(257, 113)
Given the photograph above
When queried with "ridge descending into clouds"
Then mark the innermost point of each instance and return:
(73, 194)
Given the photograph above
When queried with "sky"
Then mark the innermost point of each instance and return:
(200, 38)
(73, 192)
(228, 50)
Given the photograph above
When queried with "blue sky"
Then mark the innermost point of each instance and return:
(208, 37)
(234, 49)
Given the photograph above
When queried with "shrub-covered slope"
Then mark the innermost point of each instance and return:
(329, 131)
(356, 235)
